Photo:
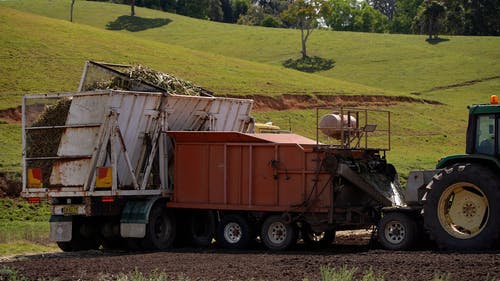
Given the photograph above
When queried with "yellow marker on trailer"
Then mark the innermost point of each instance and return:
(104, 178)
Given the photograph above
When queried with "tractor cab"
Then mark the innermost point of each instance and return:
(483, 134)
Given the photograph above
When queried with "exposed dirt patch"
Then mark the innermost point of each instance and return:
(11, 115)
(462, 84)
(9, 186)
(288, 101)
(267, 103)
(351, 250)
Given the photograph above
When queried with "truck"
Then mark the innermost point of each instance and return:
(147, 169)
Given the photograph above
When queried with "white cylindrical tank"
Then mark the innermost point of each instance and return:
(333, 124)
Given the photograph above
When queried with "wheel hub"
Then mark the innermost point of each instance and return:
(395, 232)
(232, 232)
(277, 232)
(463, 210)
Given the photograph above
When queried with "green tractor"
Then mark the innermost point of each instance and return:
(459, 202)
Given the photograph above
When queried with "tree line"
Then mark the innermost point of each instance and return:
(455, 17)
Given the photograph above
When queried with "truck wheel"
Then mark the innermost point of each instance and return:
(462, 210)
(65, 246)
(234, 232)
(78, 241)
(397, 231)
(277, 234)
(160, 230)
(202, 226)
(317, 239)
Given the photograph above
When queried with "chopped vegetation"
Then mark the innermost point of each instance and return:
(141, 73)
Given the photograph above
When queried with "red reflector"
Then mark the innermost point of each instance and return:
(107, 199)
(34, 200)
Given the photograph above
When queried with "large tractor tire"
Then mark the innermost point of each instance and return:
(234, 232)
(397, 231)
(462, 209)
(278, 234)
(160, 230)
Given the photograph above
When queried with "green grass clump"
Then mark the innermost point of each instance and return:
(24, 228)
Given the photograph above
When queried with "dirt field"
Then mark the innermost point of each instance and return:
(217, 264)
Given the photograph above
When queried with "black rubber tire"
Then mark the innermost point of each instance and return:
(160, 230)
(397, 231)
(65, 246)
(277, 234)
(79, 242)
(202, 227)
(317, 239)
(484, 179)
(234, 232)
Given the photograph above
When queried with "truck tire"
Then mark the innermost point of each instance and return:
(202, 225)
(317, 239)
(160, 230)
(234, 232)
(462, 208)
(397, 231)
(78, 241)
(277, 234)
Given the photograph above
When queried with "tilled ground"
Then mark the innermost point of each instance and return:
(301, 263)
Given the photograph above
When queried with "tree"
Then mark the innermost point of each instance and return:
(386, 7)
(132, 8)
(304, 14)
(71, 10)
(432, 13)
(341, 15)
(404, 15)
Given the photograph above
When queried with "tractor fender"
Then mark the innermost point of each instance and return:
(135, 216)
(486, 160)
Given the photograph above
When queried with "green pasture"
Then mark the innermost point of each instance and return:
(404, 63)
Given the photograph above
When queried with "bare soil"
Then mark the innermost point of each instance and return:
(350, 249)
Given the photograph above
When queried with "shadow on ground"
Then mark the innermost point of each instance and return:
(309, 64)
(435, 41)
(135, 23)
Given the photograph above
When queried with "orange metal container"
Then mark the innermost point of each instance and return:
(254, 172)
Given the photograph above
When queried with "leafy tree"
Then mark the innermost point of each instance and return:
(254, 16)
(367, 19)
(214, 10)
(341, 15)
(386, 7)
(304, 14)
(482, 17)
(271, 21)
(454, 21)
(430, 14)
(404, 15)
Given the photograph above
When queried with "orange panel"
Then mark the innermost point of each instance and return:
(263, 182)
(191, 173)
(216, 168)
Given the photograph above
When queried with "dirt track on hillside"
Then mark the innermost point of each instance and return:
(259, 264)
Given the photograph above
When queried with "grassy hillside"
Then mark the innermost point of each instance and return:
(46, 55)
(393, 62)
(232, 59)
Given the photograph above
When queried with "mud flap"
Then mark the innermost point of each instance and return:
(61, 228)
(135, 217)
